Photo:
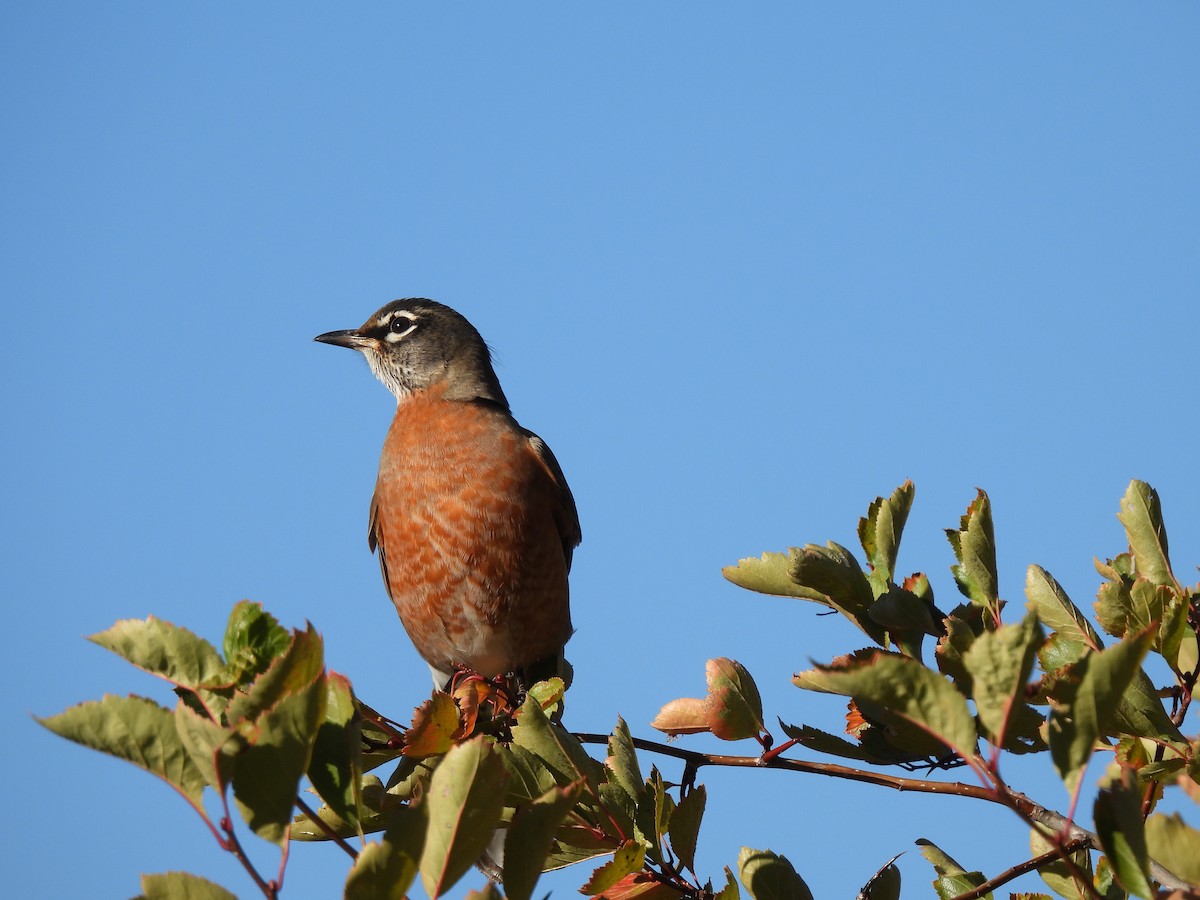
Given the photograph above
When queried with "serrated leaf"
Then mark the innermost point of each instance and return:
(292, 671)
(1175, 845)
(730, 890)
(684, 829)
(434, 724)
(530, 837)
(642, 886)
(1000, 663)
(906, 689)
(1056, 611)
(653, 814)
(136, 730)
(975, 549)
(823, 742)
(1086, 703)
(622, 760)
(253, 638)
(386, 870)
(181, 886)
(835, 575)
(1118, 817)
(630, 857)
(267, 773)
(335, 768)
(734, 704)
(768, 574)
(464, 801)
(1141, 514)
(768, 876)
(879, 533)
(168, 651)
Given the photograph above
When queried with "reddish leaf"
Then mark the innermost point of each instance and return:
(434, 725)
(642, 885)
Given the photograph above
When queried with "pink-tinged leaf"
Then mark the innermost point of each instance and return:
(734, 704)
(687, 715)
(642, 886)
(629, 858)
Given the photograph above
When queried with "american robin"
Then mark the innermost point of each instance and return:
(471, 518)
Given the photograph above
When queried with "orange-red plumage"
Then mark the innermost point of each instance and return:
(472, 518)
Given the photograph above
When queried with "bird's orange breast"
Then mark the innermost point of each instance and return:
(467, 521)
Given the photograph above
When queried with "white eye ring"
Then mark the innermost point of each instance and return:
(400, 326)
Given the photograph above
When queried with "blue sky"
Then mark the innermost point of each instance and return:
(744, 269)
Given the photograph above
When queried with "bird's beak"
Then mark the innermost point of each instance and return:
(351, 338)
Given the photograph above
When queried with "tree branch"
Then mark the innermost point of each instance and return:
(1002, 794)
(1016, 871)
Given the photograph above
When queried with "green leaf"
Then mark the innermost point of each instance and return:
(136, 730)
(879, 532)
(465, 801)
(267, 773)
(1000, 663)
(975, 548)
(834, 574)
(952, 878)
(1055, 610)
(253, 638)
(684, 829)
(622, 760)
(1118, 817)
(181, 886)
(884, 884)
(386, 870)
(1056, 874)
(530, 837)
(653, 814)
(557, 749)
(205, 742)
(629, 858)
(769, 574)
(1141, 514)
(335, 769)
(823, 742)
(434, 724)
(1139, 712)
(292, 671)
(904, 688)
(1087, 703)
(529, 777)
(165, 650)
(730, 890)
(734, 704)
(768, 876)
(1175, 845)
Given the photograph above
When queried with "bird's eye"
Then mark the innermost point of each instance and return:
(402, 324)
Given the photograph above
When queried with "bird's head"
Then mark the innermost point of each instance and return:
(415, 344)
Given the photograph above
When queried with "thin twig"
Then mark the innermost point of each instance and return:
(326, 828)
(1016, 871)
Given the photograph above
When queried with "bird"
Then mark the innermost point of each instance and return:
(472, 520)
